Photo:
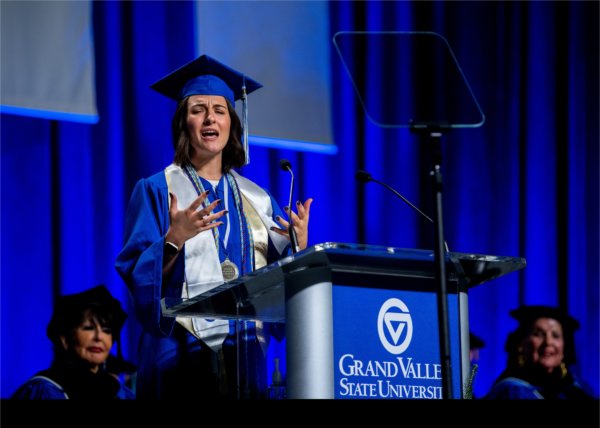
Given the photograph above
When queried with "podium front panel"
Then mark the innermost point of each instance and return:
(386, 344)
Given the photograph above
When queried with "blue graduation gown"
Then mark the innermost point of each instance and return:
(519, 386)
(172, 362)
(40, 388)
(69, 379)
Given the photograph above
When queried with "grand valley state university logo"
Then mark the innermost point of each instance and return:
(394, 326)
(411, 375)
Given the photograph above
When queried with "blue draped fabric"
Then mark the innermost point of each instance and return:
(524, 184)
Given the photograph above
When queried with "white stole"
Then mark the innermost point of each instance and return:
(202, 264)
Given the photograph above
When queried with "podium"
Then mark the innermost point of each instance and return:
(360, 320)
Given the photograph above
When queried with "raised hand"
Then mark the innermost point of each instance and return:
(300, 221)
(187, 223)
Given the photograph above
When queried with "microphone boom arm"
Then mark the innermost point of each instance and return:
(391, 189)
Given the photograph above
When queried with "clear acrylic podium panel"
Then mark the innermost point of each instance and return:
(261, 295)
(408, 79)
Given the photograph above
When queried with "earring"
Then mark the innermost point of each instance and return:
(563, 369)
(521, 360)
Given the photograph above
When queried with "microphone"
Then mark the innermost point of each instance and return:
(365, 177)
(287, 166)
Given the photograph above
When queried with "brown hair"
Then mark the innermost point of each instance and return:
(233, 153)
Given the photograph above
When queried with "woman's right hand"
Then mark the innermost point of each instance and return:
(187, 223)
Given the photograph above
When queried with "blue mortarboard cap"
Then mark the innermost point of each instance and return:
(205, 76)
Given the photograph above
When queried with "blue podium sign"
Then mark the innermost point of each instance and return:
(386, 344)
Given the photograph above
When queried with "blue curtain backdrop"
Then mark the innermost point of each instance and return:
(524, 184)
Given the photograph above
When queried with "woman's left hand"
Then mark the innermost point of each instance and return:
(300, 222)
